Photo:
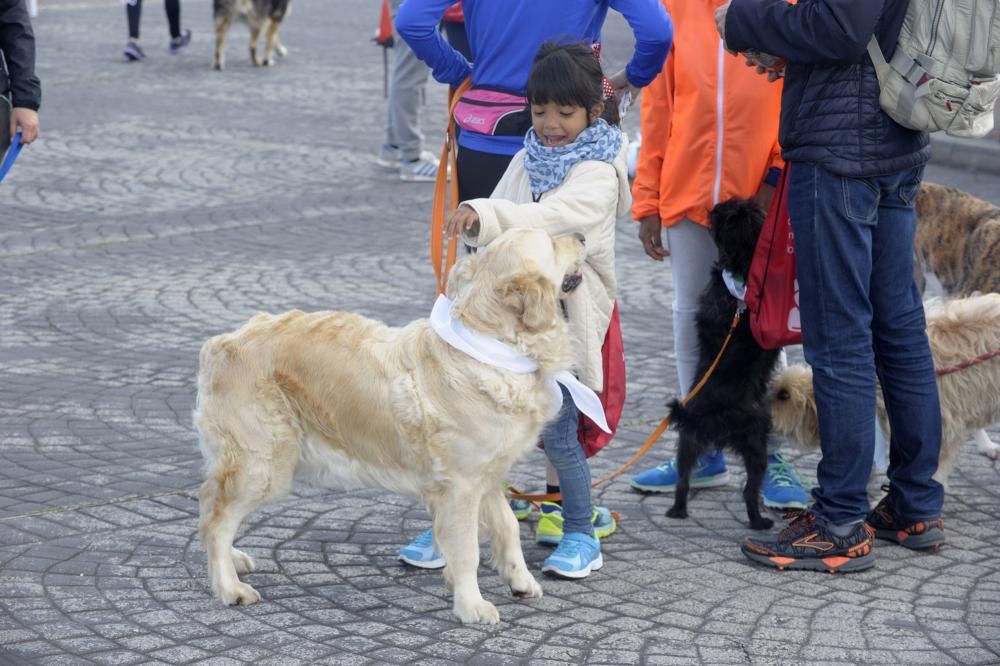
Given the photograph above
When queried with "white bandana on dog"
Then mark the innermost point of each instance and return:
(737, 286)
(501, 355)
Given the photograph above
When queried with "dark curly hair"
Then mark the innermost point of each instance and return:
(570, 74)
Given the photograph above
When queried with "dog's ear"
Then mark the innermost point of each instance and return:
(736, 225)
(533, 297)
(460, 274)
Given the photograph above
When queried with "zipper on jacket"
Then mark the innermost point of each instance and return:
(935, 23)
(720, 125)
(479, 102)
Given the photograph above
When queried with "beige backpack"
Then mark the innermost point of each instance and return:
(943, 75)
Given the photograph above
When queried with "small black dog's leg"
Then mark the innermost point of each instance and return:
(685, 462)
(755, 459)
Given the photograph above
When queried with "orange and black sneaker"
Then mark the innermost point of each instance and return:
(806, 544)
(913, 534)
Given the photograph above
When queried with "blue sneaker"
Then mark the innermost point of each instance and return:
(521, 508)
(709, 472)
(782, 488)
(176, 44)
(421, 553)
(577, 555)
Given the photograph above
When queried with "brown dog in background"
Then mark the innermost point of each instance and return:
(958, 330)
(958, 244)
(256, 14)
(958, 240)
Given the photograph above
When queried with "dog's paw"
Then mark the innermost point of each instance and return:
(239, 595)
(523, 585)
(268, 62)
(761, 524)
(478, 612)
(218, 66)
(242, 562)
(989, 449)
(281, 50)
(677, 512)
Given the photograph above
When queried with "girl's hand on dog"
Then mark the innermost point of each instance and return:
(650, 233)
(465, 218)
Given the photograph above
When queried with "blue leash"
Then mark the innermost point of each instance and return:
(12, 153)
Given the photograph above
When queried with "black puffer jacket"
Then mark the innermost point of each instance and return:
(17, 43)
(830, 113)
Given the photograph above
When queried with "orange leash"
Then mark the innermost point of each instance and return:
(445, 197)
(654, 436)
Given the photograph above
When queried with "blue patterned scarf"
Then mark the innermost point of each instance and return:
(547, 166)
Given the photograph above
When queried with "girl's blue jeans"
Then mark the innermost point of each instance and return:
(565, 453)
(862, 319)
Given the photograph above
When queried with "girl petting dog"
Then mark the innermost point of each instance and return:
(571, 177)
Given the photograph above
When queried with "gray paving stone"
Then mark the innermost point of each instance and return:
(146, 220)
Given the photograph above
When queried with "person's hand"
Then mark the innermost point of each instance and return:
(720, 21)
(25, 120)
(764, 196)
(772, 74)
(465, 218)
(650, 233)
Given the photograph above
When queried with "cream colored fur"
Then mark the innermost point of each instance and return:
(958, 330)
(346, 401)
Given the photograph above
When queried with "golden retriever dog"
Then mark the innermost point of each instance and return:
(959, 330)
(258, 15)
(347, 402)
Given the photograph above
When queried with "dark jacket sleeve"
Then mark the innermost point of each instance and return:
(17, 42)
(817, 31)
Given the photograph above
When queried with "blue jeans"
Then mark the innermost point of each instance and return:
(564, 451)
(862, 317)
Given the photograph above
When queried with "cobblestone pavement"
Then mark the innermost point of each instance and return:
(166, 203)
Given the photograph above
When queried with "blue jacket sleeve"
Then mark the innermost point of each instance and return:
(654, 33)
(822, 31)
(417, 23)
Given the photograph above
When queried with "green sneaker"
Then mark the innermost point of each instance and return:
(521, 508)
(549, 530)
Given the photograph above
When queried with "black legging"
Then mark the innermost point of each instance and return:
(133, 9)
(479, 173)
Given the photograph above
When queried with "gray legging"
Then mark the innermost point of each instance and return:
(692, 255)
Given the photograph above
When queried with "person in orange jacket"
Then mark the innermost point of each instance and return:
(709, 133)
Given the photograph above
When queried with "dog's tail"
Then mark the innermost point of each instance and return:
(679, 414)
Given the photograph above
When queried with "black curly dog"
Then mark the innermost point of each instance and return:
(730, 410)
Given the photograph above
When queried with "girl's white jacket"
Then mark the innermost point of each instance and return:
(589, 201)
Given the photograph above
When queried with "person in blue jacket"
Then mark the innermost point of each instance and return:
(504, 36)
(854, 175)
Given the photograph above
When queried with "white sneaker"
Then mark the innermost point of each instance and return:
(388, 157)
(421, 170)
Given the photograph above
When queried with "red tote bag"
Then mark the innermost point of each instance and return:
(772, 295)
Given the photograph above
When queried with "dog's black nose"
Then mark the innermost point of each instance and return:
(580, 237)
(783, 395)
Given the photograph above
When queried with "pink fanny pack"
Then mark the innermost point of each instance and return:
(493, 112)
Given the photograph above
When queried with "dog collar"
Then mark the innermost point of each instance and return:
(736, 285)
(501, 355)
